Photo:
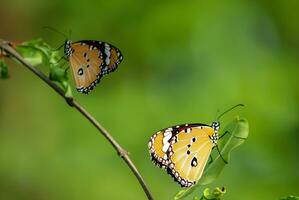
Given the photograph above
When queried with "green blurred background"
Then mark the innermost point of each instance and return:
(183, 60)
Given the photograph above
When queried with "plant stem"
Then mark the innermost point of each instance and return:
(5, 45)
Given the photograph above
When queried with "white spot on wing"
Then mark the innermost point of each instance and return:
(166, 143)
(107, 52)
(168, 132)
(187, 130)
(165, 147)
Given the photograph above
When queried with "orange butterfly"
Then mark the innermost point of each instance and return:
(184, 149)
(90, 60)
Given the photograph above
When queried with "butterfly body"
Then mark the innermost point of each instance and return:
(90, 61)
(183, 150)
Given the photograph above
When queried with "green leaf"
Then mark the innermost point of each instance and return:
(38, 52)
(238, 130)
(31, 55)
(61, 76)
(3, 70)
(217, 194)
(67, 88)
(290, 198)
(58, 74)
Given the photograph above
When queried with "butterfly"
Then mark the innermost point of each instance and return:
(90, 60)
(183, 150)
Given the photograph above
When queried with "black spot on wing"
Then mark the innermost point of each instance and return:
(80, 71)
(194, 162)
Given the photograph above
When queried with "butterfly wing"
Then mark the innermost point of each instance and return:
(90, 60)
(86, 65)
(188, 153)
(158, 146)
(159, 143)
(112, 58)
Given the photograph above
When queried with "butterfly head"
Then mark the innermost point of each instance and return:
(214, 138)
(216, 125)
(67, 48)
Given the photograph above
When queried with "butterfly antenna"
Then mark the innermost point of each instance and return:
(55, 30)
(229, 110)
(217, 112)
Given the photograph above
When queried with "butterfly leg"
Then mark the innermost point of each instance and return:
(223, 134)
(60, 59)
(232, 135)
(211, 160)
(57, 49)
(67, 67)
(221, 155)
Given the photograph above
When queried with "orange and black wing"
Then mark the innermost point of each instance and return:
(188, 153)
(90, 60)
(159, 144)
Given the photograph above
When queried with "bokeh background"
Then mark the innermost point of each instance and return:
(183, 60)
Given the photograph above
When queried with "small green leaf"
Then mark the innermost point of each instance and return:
(58, 74)
(290, 198)
(61, 76)
(217, 194)
(238, 132)
(38, 52)
(3, 70)
(67, 89)
(31, 55)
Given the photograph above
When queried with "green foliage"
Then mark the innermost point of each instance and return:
(217, 194)
(290, 198)
(238, 130)
(3, 70)
(37, 52)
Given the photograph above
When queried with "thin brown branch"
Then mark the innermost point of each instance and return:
(4, 45)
